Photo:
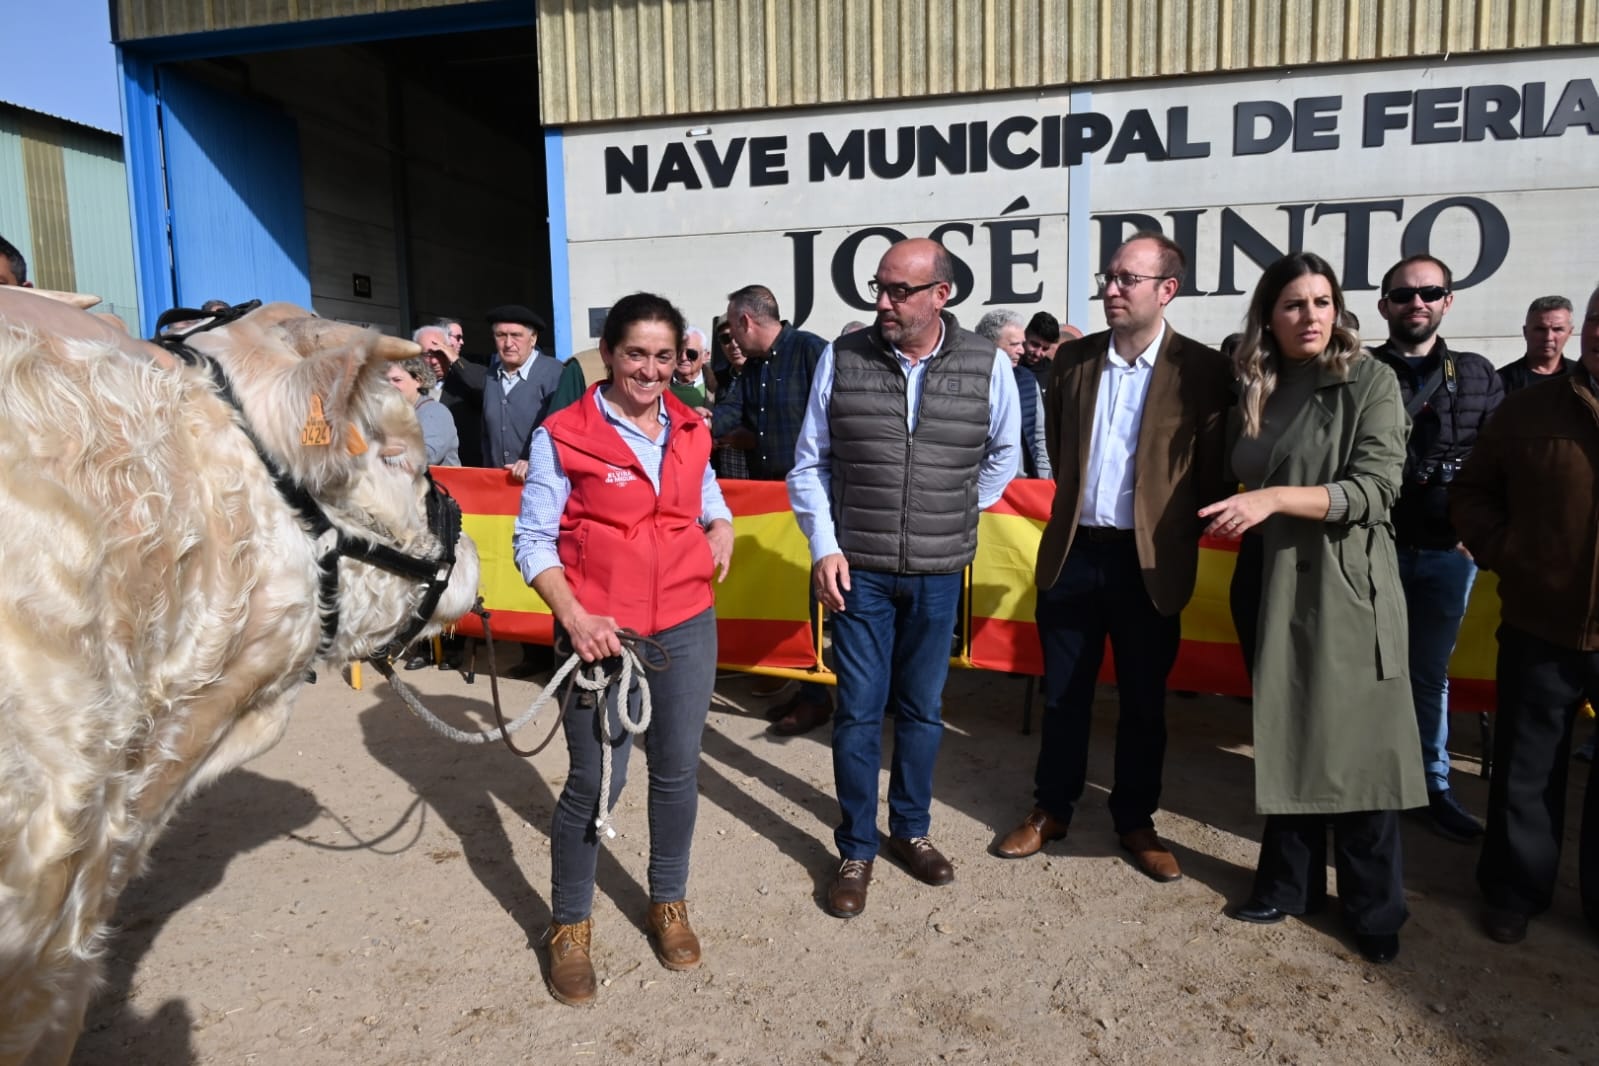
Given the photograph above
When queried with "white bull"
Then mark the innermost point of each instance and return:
(159, 596)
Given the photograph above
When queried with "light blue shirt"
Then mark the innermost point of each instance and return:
(547, 489)
(509, 379)
(810, 482)
(1112, 471)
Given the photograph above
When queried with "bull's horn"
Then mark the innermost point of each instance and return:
(394, 348)
(81, 300)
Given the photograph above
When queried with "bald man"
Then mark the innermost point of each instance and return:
(912, 426)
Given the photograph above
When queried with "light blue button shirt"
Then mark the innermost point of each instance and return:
(547, 489)
(810, 482)
(511, 378)
(1112, 471)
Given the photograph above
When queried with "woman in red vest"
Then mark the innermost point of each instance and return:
(621, 527)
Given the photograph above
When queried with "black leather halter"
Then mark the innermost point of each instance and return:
(444, 514)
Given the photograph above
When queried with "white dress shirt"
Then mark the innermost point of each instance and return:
(1112, 471)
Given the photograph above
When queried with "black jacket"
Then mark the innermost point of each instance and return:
(1519, 375)
(1442, 434)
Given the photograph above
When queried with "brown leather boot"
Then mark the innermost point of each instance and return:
(571, 970)
(675, 943)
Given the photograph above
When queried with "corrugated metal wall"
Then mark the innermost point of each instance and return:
(603, 60)
(64, 204)
(136, 19)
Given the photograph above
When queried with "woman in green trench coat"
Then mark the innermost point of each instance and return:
(1319, 608)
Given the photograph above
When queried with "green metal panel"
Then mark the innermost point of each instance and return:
(139, 19)
(601, 60)
(14, 224)
(102, 234)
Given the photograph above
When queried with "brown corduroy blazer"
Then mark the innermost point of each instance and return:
(1180, 461)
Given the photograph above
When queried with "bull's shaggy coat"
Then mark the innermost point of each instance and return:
(158, 599)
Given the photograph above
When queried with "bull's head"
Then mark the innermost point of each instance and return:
(312, 392)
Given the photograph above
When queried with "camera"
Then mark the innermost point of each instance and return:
(1430, 471)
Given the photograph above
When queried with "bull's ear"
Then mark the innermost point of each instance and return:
(333, 380)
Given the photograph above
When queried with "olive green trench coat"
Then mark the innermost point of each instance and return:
(1335, 727)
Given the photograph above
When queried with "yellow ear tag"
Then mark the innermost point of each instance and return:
(354, 443)
(316, 433)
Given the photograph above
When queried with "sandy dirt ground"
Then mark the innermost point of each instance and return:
(370, 893)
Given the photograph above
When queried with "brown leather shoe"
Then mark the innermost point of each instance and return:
(846, 895)
(924, 861)
(803, 716)
(675, 943)
(1151, 856)
(1036, 830)
(571, 970)
(766, 685)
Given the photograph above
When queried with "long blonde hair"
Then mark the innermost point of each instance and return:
(1255, 360)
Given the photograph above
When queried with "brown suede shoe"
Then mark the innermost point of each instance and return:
(1036, 830)
(846, 895)
(803, 716)
(924, 861)
(1151, 856)
(675, 943)
(571, 970)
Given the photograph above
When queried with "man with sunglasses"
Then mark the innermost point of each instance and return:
(1448, 395)
(690, 382)
(911, 429)
(1133, 419)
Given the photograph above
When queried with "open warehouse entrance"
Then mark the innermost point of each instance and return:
(381, 171)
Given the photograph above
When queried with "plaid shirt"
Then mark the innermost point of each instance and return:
(769, 400)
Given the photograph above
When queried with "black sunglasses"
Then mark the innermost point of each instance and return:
(1403, 294)
(688, 353)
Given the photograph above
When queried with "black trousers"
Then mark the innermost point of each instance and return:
(1541, 687)
(1292, 872)
(1100, 593)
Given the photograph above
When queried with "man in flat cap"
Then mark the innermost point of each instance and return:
(516, 397)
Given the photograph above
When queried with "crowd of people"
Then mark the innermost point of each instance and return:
(1365, 487)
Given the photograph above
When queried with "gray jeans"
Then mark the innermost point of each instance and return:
(680, 699)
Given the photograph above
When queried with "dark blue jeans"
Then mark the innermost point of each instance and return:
(892, 638)
(680, 698)
(1100, 593)
(1437, 585)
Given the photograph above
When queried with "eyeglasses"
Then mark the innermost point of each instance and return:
(1125, 281)
(688, 354)
(1403, 294)
(898, 292)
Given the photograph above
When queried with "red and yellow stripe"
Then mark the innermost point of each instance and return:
(762, 608)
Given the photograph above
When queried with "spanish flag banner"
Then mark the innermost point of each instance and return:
(762, 609)
(1003, 596)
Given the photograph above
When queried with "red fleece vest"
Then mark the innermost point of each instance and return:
(639, 557)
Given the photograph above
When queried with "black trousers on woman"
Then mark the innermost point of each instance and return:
(1291, 874)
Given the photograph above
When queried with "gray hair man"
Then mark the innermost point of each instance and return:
(1007, 329)
(1546, 331)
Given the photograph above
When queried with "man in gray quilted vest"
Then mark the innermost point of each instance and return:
(912, 428)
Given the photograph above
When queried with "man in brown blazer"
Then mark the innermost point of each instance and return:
(1524, 504)
(1134, 421)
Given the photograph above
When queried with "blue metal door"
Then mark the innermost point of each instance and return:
(235, 207)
